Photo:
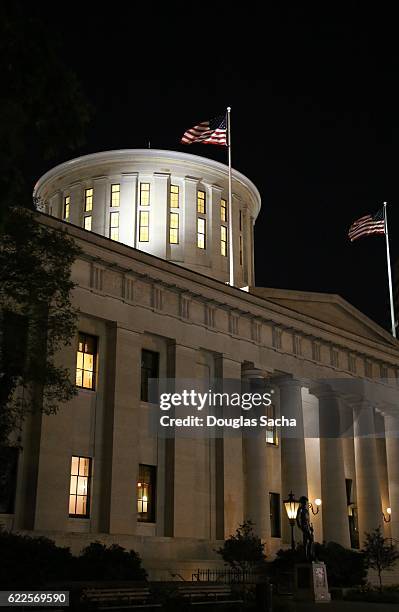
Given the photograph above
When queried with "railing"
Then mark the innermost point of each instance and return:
(226, 576)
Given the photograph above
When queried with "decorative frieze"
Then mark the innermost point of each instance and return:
(256, 328)
(296, 344)
(156, 298)
(233, 323)
(276, 337)
(96, 277)
(128, 289)
(334, 357)
(209, 315)
(184, 306)
(316, 349)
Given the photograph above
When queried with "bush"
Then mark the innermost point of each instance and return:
(97, 562)
(244, 550)
(27, 561)
(373, 595)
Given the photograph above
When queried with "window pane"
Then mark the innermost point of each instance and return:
(72, 501)
(79, 486)
(84, 465)
(87, 223)
(174, 196)
(87, 379)
(74, 480)
(115, 195)
(144, 194)
(82, 485)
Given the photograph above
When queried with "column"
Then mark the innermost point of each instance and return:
(367, 478)
(219, 262)
(128, 215)
(123, 429)
(293, 455)
(101, 208)
(189, 232)
(76, 206)
(159, 216)
(392, 446)
(333, 487)
(257, 484)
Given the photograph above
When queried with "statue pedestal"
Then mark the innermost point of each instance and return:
(311, 582)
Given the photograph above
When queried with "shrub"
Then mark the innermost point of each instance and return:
(244, 550)
(345, 567)
(99, 562)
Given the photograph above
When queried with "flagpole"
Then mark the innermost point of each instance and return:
(230, 210)
(389, 272)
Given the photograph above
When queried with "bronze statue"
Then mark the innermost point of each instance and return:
(304, 524)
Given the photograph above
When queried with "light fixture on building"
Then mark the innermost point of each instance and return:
(389, 512)
(317, 504)
(291, 507)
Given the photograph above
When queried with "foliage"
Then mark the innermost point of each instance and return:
(379, 553)
(37, 318)
(244, 550)
(43, 109)
(374, 595)
(27, 562)
(99, 562)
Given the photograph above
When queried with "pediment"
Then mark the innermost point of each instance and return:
(329, 309)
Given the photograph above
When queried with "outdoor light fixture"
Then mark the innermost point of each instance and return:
(291, 507)
(317, 504)
(389, 512)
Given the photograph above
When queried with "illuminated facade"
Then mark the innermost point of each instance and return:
(95, 471)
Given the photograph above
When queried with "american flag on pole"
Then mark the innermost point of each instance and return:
(213, 131)
(367, 226)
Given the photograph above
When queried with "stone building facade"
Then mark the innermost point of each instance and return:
(158, 308)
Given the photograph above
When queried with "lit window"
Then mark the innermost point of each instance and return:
(201, 233)
(223, 241)
(146, 493)
(201, 205)
(67, 205)
(223, 210)
(174, 228)
(275, 523)
(79, 490)
(241, 251)
(114, 226)
(87, 223)
(271, 430)
(174, 196)
(144, 221)
(144, 194)
(149, 371)
(86, 362)
(88, 200)
(115, 195)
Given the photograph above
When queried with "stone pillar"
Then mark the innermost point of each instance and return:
(159, 221)
(189, 233)
(101, 209)
(367, 480)
(76, 205)
(392, 446)
(333, 488)
(293, 455)
(123, 430)
(257, 485)
(128, 207)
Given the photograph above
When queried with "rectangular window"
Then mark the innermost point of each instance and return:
(114, 226)
(115, 194)
(146, 491)
(174, 228)
(149, 370)
(223, 210)
(275, 523)
(223, 241)
(241, 258)
(67, 206)
(201, 233)
(87, 223)
(144, 194)
(201, 203)
(271, 430)
(79, 490)
(174, 196)
(144, 229)
(86, 362)
(88, 200)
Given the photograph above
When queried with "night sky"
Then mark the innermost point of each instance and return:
(315, 119)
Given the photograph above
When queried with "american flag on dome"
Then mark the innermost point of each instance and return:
(367, 226)
(213, 131)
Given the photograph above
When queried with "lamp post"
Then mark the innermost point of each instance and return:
(317, 504)
(291, 507)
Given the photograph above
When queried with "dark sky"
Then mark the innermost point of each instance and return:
(315, 119)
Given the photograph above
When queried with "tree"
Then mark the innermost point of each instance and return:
(37, 318)
(244, 550)
(380, 554)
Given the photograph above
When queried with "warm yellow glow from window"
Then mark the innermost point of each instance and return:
(88, 200)
(86, 361)
(201, 206)
(114, 226)
(87, 223)
(144, 194)
(174, 228)
(201, 233)
(67, 206)
(223, 241)
(223, 210)
(115, 195)
(79, 488)
(144, 222)
(174, 196)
